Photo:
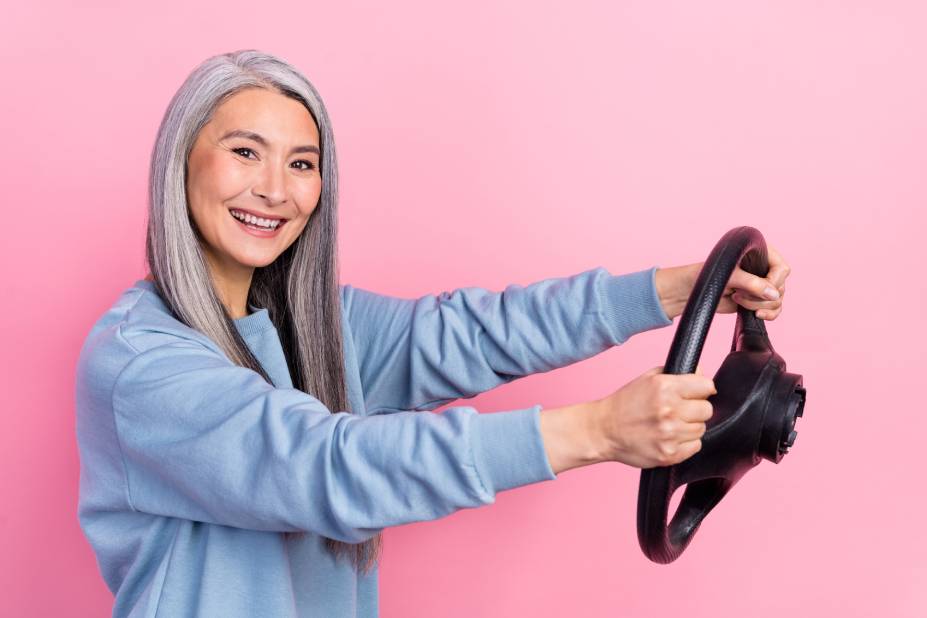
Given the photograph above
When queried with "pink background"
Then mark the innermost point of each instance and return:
(492, 143)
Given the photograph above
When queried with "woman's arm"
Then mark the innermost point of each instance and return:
(418, 354)
(200, 438)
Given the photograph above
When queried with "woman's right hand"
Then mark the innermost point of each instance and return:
(655, 420)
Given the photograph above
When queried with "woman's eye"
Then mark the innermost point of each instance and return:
(309, 165)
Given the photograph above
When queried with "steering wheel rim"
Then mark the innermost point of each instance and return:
(707, 483)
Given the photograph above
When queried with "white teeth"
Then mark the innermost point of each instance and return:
(258, 221)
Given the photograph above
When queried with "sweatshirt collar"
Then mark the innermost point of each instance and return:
(256, 321)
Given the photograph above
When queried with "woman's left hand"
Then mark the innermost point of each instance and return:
(749, 291)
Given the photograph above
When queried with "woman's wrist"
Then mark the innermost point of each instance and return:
(570, 436)
(674, 286)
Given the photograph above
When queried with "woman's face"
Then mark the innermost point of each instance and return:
(259, 153)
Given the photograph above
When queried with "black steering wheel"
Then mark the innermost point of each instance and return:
(754, 410)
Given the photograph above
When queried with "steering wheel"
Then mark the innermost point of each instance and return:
(754, 410)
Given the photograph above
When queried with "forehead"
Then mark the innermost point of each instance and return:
(279, 118)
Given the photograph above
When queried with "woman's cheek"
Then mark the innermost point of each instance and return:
(309, 195)
(230, 179)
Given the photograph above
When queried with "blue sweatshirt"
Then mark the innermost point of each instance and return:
(191, 467)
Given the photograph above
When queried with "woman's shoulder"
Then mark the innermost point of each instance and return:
(136, 322)
(149, 323)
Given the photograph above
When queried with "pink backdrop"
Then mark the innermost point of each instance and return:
(507, 142)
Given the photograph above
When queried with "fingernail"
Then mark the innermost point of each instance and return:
(771, 293)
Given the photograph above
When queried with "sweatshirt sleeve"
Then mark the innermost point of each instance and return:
(207, 440)
(418, 354)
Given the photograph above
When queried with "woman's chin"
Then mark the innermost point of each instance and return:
(257, 261)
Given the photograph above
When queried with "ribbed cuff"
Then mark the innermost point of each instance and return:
(508, 449)
(631, 305)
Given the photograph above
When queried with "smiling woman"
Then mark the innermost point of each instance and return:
(242, 215)
(258, 156)
(248, 426)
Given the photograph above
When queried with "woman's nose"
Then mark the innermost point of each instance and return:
(271, 185)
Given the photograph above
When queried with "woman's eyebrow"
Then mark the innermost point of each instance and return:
(260, 140)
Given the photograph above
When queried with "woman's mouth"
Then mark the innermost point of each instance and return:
(257, 226)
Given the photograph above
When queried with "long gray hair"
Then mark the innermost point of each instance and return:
(299, 289)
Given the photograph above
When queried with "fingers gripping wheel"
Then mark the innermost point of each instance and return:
(754, 410)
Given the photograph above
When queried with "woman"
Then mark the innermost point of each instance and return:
(247, 426)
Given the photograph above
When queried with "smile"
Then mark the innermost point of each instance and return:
(257, 226)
